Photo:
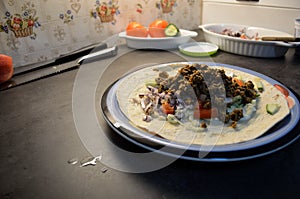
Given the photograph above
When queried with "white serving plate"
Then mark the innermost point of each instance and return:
(158, 43)
(278, 137)
(253, 48)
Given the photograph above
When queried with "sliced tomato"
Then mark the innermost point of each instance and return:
(201, 113)
(167, 108)
(290, 102)
(157, 28)
(238, 81)
(243, 36)
(282, 89)
(135, 29)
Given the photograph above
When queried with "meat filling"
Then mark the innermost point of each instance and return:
(200, 84)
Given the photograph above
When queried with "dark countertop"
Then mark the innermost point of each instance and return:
(39, 134)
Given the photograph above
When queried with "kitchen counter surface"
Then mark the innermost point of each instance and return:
(41, 136)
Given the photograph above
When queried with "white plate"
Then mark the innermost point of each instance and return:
(158, 43)
(278, 137)
(254, 48)
(198, 49)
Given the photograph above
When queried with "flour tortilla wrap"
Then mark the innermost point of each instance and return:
(260, 122)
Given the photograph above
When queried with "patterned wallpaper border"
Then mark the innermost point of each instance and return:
(34, 31)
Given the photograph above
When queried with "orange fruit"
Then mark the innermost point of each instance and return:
(6, 68)
(157, 28)
(135, 29)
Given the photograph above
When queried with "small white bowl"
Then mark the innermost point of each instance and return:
(253, 48)
(158, 42)
(198, 49)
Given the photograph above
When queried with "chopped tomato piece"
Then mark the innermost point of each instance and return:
(282, 90)
(167, 108)
(290, 102)
(238, 81)
(200, 113)
(243, 36)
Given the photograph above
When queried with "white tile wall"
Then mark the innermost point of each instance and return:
(273, 14)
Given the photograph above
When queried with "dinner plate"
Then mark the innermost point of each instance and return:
(198, 49)
(278, 137)
(158, 42)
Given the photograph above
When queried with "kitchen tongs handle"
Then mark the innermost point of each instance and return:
(285, 39)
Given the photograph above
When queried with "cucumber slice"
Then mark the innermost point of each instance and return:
(172, 119)
(272, 108)
(239, 78)
(151, 82)
(171, 30)
(257, 82)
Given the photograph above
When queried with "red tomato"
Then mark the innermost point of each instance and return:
(6, 68)
(157, 28)
(201, 113)
(167, 108)
(238, 81)
(290, 102)
(136, 30)
(282, 90)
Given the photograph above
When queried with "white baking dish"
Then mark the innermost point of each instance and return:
(254, 48)
(158, 43)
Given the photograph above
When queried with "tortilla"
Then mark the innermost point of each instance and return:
(217, 132)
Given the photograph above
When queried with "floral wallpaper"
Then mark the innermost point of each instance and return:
(33, 31)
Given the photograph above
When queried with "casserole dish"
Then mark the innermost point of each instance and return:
(252, 45)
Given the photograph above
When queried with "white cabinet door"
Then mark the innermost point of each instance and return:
(272, 3)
